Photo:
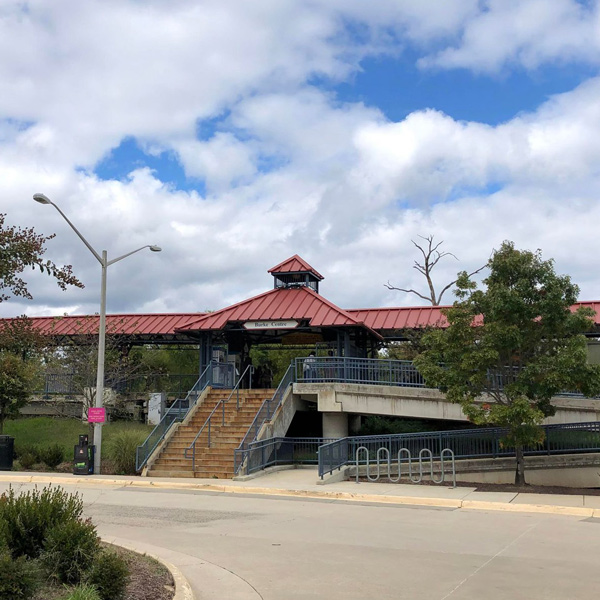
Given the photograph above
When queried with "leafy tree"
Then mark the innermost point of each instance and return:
(20, 337)
(510, 348)
(22, 248)
(15, 385)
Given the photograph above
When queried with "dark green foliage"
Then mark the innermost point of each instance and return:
(377, 425)
(16, 378)
(121, 451)
(28, 517)
(52, 455)
(70, 549)
(511, 347)
(19, 578)
(29, 457)
(27, 449)
(109, 575)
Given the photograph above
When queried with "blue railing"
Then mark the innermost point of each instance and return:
(466, 443)
(264, 414)
(176, 413)
(246, 376)
(71, 384)
(374, 371)
(282, 451)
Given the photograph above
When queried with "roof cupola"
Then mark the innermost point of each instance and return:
(295, 272)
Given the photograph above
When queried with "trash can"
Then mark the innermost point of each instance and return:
(83, 463)
(7, 445)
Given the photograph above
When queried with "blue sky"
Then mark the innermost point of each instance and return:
(237, 134)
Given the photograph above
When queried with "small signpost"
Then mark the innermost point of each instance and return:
(96, 415)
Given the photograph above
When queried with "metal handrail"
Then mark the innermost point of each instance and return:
(262, 416)
(249, 369)
(175, 413)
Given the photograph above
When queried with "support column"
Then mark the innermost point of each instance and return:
(335, 425)
(354, 423)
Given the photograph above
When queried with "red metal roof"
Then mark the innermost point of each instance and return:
(411, 317)
(157, 324)
(401, 317)
(295, 264)
(279, 304)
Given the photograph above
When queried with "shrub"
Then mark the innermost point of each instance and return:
(109, 575)
(70, 549)
(84, 592)
(19, 578)
(28, 455)
(121, 451)
(52, 455)
(28, 517)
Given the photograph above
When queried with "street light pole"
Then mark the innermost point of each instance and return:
(104, 263)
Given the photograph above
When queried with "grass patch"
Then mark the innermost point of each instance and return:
(43, 432)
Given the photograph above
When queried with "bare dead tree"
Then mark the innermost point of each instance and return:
(431, 256)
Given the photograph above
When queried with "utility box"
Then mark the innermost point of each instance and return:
(157, 403)
(83, 463)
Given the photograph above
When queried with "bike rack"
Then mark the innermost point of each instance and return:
(383, 458)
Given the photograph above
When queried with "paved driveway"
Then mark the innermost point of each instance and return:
(237, 547)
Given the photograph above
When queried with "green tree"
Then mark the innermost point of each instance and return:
(15, 385)
(510, 348)
(24, 248)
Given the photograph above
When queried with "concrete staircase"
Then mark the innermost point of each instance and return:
(216, 461)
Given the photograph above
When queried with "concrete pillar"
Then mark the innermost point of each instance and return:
(335, 425)
(354, 423)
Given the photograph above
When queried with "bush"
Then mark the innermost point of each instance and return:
(122, 449)
(109, 575)
(84, 592)
(19, 578)
(28, 455)
(70, 549)
(28, 518)
(52, 455)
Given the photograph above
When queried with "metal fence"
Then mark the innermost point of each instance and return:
(174, 414)
(357, 370)
(466, 443)
(282, 451)
(70, 384)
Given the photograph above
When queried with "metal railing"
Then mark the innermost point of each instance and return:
(264, 414)
(174, 414)
(466, 443)
(282, 451)
(357, 370)
(222, 403)
(71, 384)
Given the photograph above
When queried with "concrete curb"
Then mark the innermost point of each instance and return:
(183, 590)
(312, 494)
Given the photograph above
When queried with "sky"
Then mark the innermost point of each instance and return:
(235, 134)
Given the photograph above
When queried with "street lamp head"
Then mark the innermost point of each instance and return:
(155, 248)
(42, 199)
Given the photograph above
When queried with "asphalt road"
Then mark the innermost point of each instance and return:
(236, 547)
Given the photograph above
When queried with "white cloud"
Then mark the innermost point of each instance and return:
(528, 33)
(287, 167)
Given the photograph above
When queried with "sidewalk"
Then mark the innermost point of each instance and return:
(303, 483)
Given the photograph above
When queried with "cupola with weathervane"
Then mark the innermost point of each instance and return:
(295, 272)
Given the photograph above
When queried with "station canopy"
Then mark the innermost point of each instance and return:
(293, 313)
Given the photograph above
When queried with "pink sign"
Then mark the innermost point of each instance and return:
(96, 415)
